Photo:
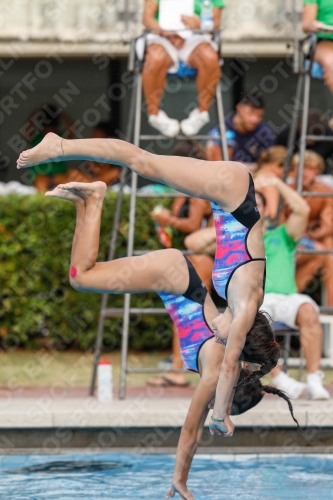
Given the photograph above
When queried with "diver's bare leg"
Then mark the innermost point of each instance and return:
(224, 182)
(80, 204)
(162, 270)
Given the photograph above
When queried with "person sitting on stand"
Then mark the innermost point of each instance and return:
(316, 14)
(164, 51)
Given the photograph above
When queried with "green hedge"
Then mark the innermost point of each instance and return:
(37, 303)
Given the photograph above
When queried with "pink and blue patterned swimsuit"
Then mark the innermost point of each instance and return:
(232, 230)
(187, 312)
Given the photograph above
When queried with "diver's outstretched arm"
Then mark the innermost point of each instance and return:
(191, 434)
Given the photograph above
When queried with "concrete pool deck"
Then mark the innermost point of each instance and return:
(143, 411)
(50, 420)
(144, 406)
(146, 422)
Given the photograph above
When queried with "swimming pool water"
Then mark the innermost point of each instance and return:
(123, 475)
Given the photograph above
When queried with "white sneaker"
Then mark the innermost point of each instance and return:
(289, 385)
(314, 386)
(194, 122)
(167, 126)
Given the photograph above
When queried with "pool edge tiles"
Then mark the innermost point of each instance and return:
(149, 412)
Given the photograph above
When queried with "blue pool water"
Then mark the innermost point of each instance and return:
(122, 475)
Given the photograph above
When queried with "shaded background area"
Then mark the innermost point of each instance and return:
(90, 90)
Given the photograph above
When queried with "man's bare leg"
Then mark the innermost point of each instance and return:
(324, 55)
(206, 61)
(306, 268)
(154, 76)
(311, 336)
(327, 277)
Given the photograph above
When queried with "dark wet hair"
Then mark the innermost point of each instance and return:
(248, 396)
(260, 348)
(254, 99)
(190, 149)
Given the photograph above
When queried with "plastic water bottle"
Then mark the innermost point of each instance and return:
(206, 16)
(164, 233)
(104, 381)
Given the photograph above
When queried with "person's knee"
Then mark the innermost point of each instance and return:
(211, 58)
(76, 280)
(205, 57)
(157, 59)
(307, 315)
(325, 58)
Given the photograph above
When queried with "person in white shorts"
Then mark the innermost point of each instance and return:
(164, 51)
(281, 301)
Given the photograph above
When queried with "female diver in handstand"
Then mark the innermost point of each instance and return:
(229, 187)
(187, 302)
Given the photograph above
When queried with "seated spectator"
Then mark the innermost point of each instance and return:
(315, 14)
(281, 301)
(187, 215)
(248, 134)
(319, 233)
(164, 51)
(317, 125)
(44, 120)
(202, 241)
(271, 162)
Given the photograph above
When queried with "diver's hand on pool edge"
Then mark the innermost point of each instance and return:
(182, 490)
(226, 428)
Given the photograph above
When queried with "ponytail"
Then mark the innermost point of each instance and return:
(254, 377)
(249, 392)
(272, 390)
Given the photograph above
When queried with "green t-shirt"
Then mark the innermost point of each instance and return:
(280, 252)
(325, 13)
(50, 168)
(219, 4)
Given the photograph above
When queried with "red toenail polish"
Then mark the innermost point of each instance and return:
(72, 272)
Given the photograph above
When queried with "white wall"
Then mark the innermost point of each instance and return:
(106, 19)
